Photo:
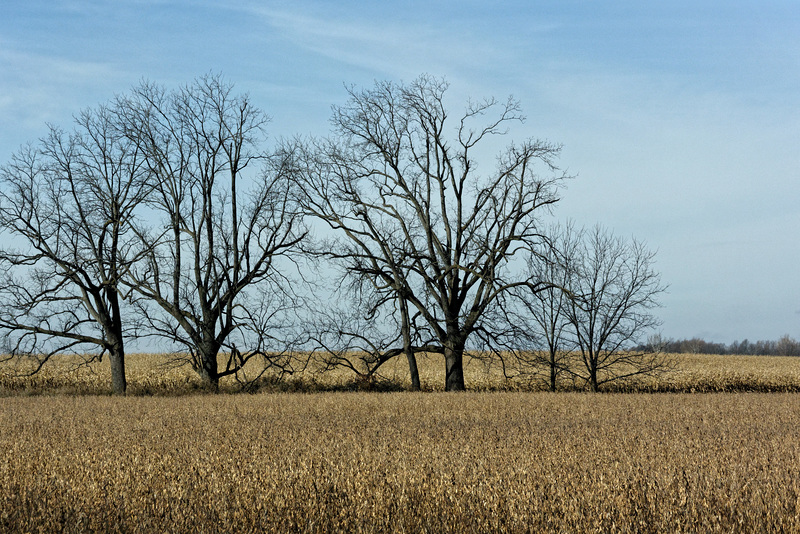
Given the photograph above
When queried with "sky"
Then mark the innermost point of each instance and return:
(680, 120)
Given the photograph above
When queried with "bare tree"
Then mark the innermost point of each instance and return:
(229, 216)
(361, 328)
(614, 287)
(787, 346)
(399, 186)
(538, 315)
(69, 205)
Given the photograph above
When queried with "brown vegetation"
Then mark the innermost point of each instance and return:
(156, 374)
(358, 462)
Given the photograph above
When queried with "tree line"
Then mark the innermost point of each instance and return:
(165, 215)
(785, 346)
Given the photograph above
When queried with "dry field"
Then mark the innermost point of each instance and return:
(401, 462)
(150, 374)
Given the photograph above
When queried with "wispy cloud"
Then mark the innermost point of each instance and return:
(393, 47)
(384, 48)
(37, 89)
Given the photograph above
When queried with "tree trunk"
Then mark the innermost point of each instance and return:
(209, 372)
(454, 367)
(210, 377)
(410, 356)
(119, 384)
(116, 344)
(413, 370)
(593, 381)
(552, 370)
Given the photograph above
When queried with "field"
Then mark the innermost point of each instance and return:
(401, 462)
(155, 374)
(482, 461)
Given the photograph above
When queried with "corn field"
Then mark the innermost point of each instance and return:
(157, 374)
(169, 458)
(401, 462)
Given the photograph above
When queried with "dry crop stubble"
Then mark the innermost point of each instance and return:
(157, 374)
(360, 462)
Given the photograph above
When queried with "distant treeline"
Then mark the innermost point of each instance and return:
(785, 346)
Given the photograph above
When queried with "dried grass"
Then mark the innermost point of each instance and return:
(156, 374)
(401, 462)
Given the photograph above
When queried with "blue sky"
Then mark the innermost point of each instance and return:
(681, 119)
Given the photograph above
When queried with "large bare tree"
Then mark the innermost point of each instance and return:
(398, 184)
(229, 216)
(67, 227)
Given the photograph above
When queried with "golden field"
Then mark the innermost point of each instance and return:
(401, 462)
(172, 458)
(150, 374)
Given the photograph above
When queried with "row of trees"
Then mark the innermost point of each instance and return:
(785, 346)
(163, 215)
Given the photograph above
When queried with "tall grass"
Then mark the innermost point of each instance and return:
(401, 462)
(150, 374)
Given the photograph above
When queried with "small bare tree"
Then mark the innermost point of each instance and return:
(538, 315)
(398, 184)
(613, 288)
(69, 205)
(228, 211)
(361, 328)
